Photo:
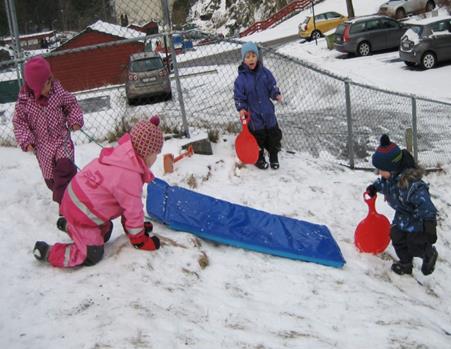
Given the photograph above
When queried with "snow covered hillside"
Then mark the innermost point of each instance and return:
(196, 294)
(241, 299)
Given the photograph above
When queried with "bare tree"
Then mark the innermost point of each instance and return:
(350, 8)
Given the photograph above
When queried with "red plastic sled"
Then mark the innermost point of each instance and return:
(246, 146)
(372, 235)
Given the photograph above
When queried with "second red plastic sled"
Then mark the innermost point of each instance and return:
(372, 235)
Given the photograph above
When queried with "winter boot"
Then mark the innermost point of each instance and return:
(274, 161)
(429, 260)
(107, 235)
(402, 268)
(261, 162)
(41, 250)
(61, 224)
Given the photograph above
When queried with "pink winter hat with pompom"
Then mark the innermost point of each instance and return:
(36, 73)
(147, 137)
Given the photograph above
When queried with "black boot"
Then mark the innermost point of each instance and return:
(261, 162)
(402, 268)
(107, 235)
(429, 260)
(41, 250)
(274, 161)
(61, 224)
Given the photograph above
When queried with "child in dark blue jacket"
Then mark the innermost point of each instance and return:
(413, 231)
(254, 88)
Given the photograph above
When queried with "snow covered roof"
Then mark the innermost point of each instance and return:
(31, 36)
(360, 18)
(426, 21)
(116, 30)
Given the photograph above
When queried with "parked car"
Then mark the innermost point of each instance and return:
(147, 77)
(314, 27)
(401, 8)
(364, 35)
(427, 42)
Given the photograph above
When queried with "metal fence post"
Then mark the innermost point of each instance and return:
(10, 9)
(349, 123)
(414, 128)
(164, 4)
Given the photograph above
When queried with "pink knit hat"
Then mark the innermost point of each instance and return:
(147, 137)
(36, 73)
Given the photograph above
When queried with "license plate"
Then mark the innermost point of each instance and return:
(149, 79)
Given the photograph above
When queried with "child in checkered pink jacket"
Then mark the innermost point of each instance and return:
(45, 115)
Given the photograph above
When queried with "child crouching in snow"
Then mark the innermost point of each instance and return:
(108, 187)
(413, 231)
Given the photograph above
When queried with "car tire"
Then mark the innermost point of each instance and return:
(400, 13)
(430, 6)
(364, 48)
(316, 34)
(428, 61)
(409, 64)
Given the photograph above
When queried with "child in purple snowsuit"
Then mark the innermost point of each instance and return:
(44, 116)
(254, 88)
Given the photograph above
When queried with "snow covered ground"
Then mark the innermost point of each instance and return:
(135, 299)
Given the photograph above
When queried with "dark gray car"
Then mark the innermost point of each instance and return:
(364, 35)
(427, 42)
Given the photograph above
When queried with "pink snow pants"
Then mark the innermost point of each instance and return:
(87, 248)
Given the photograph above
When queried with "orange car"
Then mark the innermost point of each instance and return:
(314, 27)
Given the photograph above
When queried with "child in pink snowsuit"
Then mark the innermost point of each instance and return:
(44, 116)
(108, 187)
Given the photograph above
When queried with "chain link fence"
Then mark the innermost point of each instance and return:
(323, 114)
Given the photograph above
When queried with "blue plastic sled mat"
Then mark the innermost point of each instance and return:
(240, 226)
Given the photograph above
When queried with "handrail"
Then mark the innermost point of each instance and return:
(281, 14)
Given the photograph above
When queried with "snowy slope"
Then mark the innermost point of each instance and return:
(136, 299)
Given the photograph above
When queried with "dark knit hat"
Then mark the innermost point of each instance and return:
(147, 137)
(388, 156)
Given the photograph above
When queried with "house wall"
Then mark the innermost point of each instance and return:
(93, 68)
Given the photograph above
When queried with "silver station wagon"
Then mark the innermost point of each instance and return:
(147, 77)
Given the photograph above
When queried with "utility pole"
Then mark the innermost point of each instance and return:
(350, 8)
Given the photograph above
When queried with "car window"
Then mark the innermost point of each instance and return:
(306, 20)
(440, 26)
(320, 17)
(357, 28)
(332, 15)
(340, 29)
(389, 24)
(418, 29)
(146, 64)
(373, 24)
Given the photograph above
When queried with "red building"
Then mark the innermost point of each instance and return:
(95, 67)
